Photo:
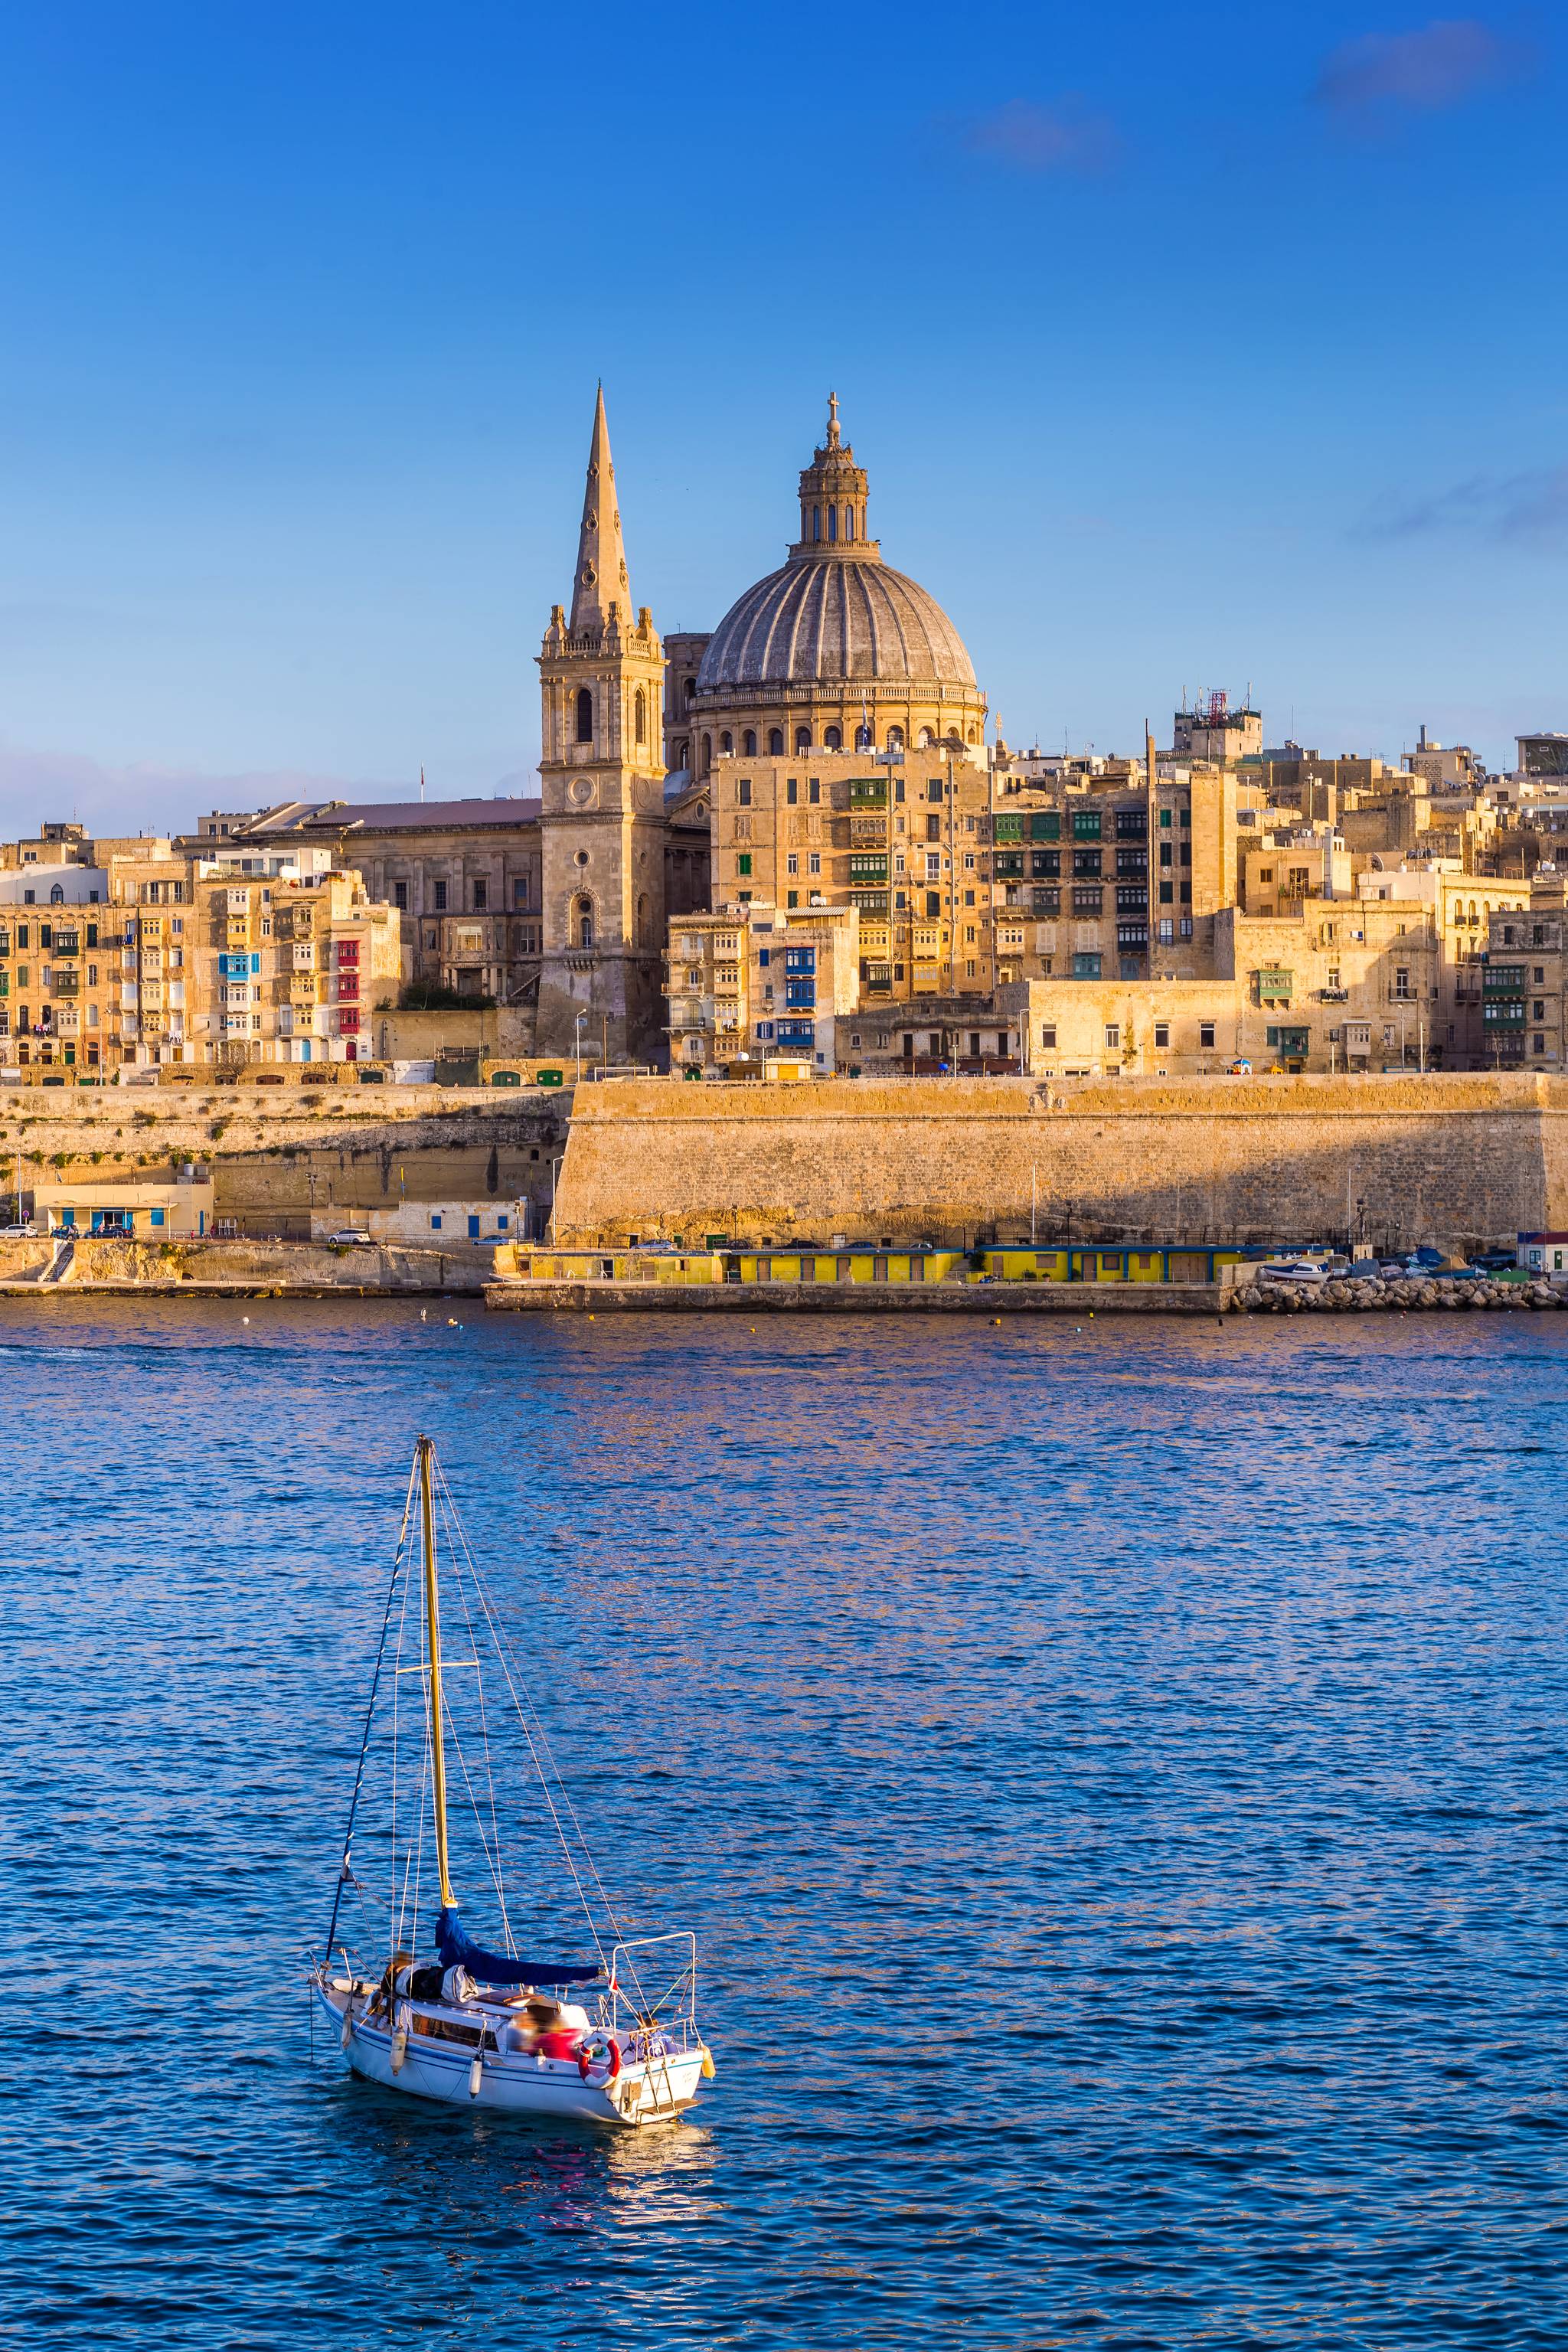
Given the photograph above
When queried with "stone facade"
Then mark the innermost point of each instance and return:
(1525, 981)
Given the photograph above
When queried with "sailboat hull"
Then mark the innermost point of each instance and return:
(654, 2092)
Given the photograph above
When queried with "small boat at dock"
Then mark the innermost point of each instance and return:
(611, 2039)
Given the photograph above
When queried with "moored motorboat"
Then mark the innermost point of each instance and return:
(612, 2041)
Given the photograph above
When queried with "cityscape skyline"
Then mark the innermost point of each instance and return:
(1208, 396)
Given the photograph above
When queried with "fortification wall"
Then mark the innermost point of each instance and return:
(277, 1153)
(1472, 1159)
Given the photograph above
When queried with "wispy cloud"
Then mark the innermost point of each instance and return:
(1064, 136)
(1440, 65)
(1524, 509)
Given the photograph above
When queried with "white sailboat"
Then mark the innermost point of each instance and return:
(612, 2041)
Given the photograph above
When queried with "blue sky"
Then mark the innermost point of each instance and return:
(1185, 348)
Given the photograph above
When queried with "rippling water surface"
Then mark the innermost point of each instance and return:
(1117, 1775)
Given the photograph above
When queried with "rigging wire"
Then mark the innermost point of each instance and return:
(492, 1860)
(394, 1915)
(508, 1660)
(450, 1517)
(345, 1872)
(505, 1650)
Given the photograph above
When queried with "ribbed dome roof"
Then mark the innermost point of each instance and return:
(834, 617)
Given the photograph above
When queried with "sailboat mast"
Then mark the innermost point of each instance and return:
(432, 1648)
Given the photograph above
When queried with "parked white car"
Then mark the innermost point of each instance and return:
(350, 1236)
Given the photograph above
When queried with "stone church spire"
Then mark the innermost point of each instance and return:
(601, 579)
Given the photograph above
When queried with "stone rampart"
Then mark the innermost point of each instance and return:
(1451, 1159)
(278, 1153)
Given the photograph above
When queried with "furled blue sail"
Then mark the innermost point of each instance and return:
(457, 1950)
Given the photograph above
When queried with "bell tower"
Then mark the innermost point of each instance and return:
(601, 790)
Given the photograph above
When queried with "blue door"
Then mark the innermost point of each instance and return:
(473, 1229)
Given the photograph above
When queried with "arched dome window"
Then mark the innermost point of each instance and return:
(683, 754)
(803, 738)
(848, 522)
(584, 715)
(583, 923)
(833, 523)
(707, 754)
(975, 735)
(749, 742)
(816, 522)
(833, 740)
(639, 716)
(775, 743)
(726, 741)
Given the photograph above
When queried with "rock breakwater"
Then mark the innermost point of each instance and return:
(1402, 1293)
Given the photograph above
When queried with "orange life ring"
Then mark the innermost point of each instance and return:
(586, 2056)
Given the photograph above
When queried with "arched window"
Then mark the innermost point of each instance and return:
(833, 522)
(583, 923)
(862, 738)
(584, 715)
(639, 716)
(683, 754)
(895, 738)
(707, 754)
(56, 895)
(848, 522)
(816, 522)
(975, 735)
(833, 740)
(645, 924)
(775, 743)
(803, 738)
(749, 742)
(691, 690)
(927, 739)
(726, 741)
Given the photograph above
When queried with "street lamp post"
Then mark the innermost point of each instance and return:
(577, 1043)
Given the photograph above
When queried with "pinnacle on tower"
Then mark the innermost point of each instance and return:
(601, 578)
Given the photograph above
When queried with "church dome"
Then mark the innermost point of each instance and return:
(827, 617)
(835, 614)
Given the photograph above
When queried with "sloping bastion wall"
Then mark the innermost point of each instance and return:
(1454, 1161)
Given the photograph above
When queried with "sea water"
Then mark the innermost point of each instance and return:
(1115, 1771)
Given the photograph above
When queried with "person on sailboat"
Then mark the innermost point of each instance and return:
(392, 1983)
